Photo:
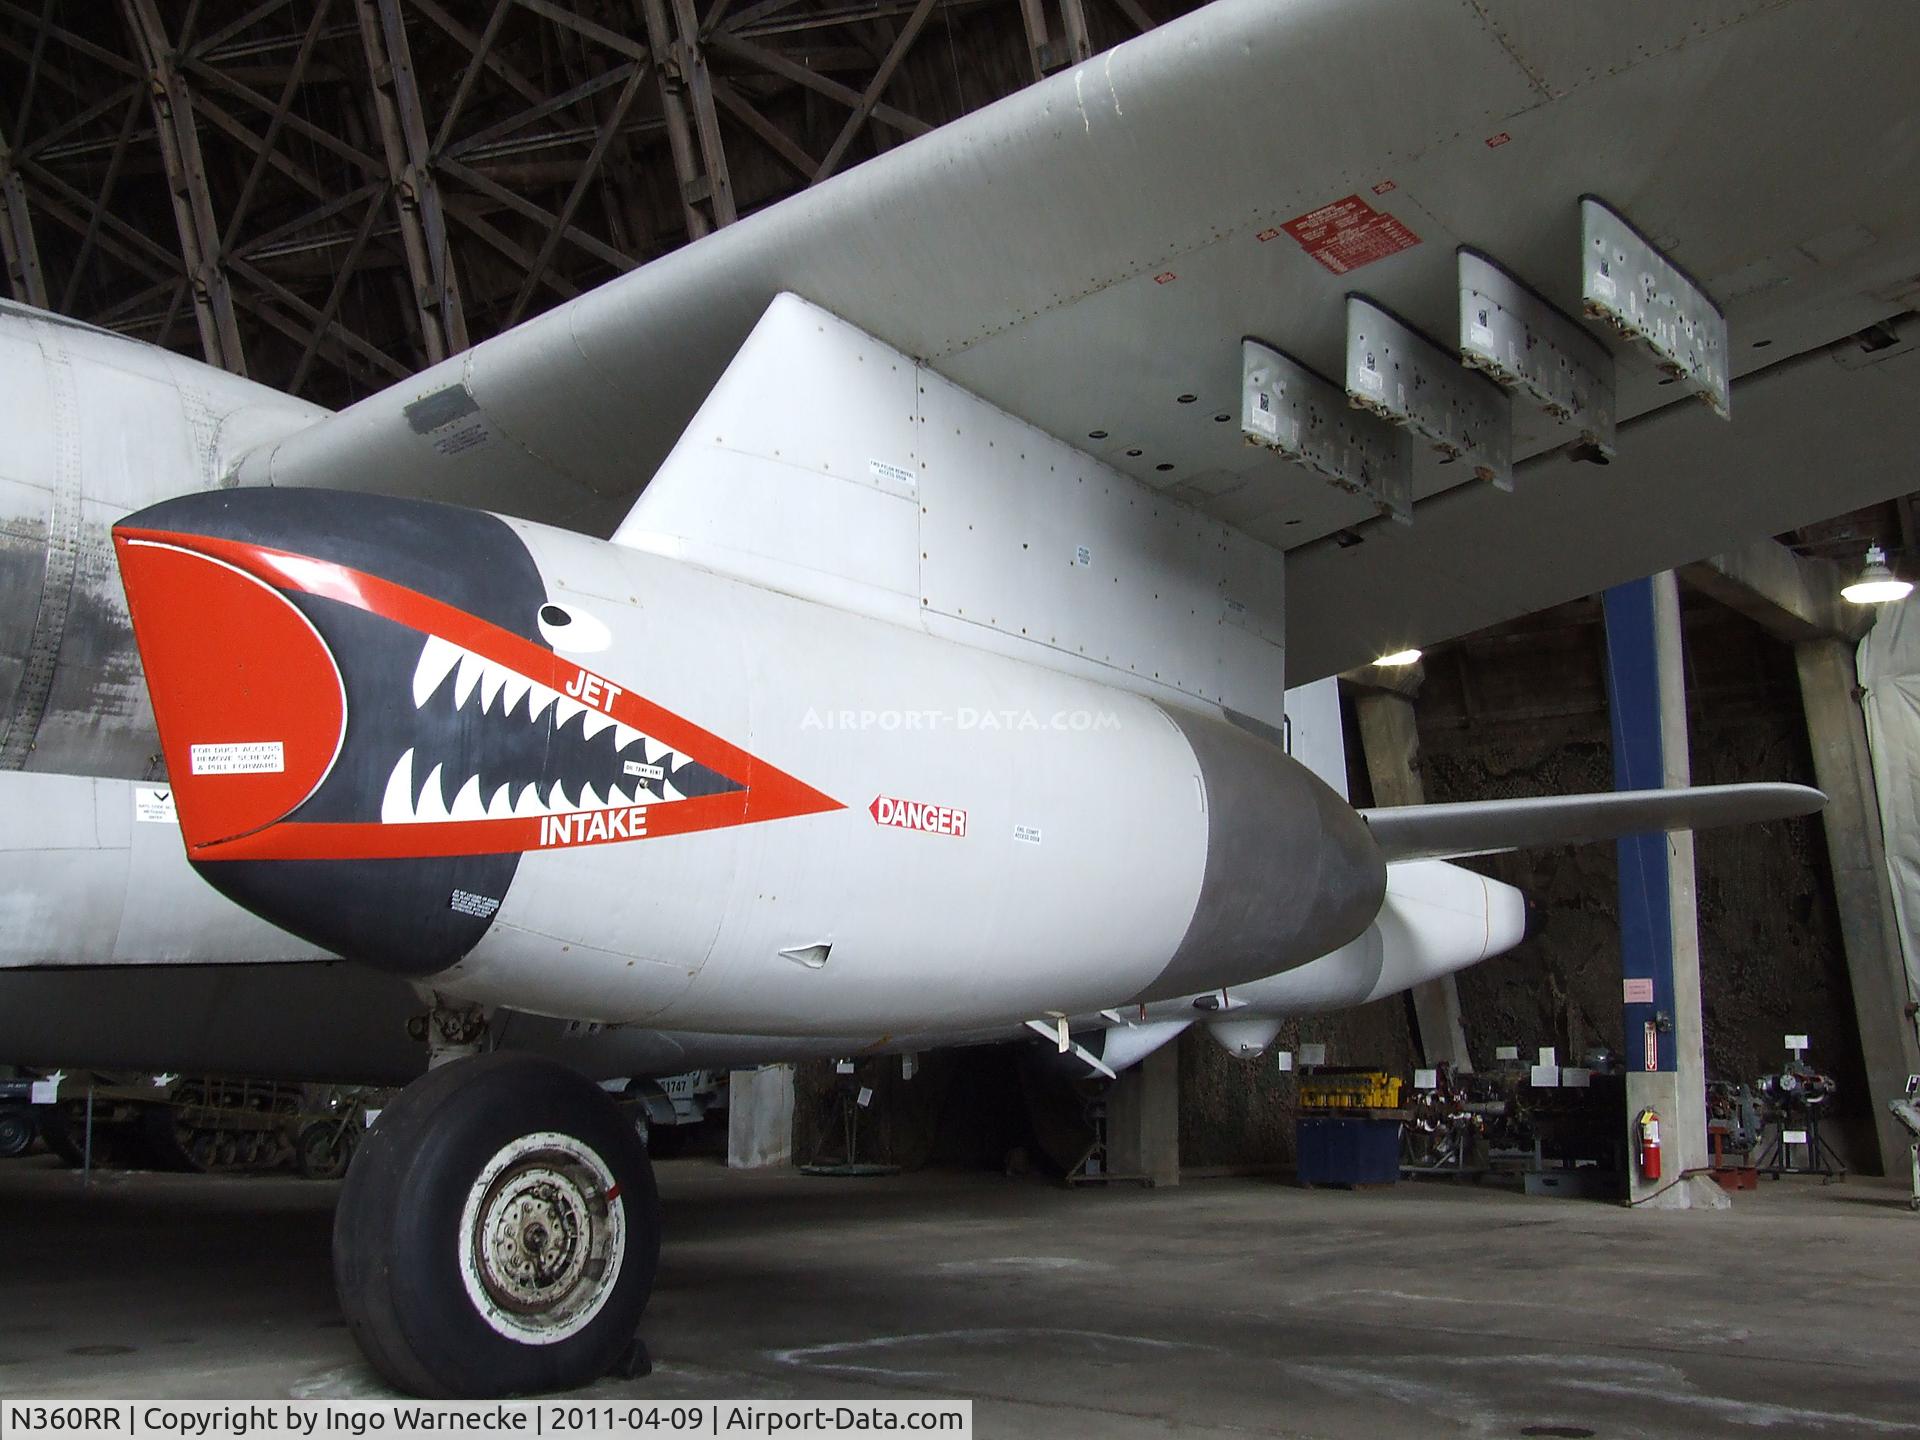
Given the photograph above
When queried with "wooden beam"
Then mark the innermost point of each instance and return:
(693, 186)
(875, 88)
(706, 120)
(135, 107)
(187, 187)
(26, 282)
(540, 215)
(777, 64)
(777, 140)
(415, 189)
(290, 88)
(581, 184)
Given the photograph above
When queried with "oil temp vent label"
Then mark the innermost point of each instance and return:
(451, 419)
(243, 757)
(481, 907)
(916, 815)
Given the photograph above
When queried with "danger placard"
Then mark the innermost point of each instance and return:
(1349, 233)
(916, 815)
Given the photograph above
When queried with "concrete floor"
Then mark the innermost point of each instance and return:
(1223, 1306)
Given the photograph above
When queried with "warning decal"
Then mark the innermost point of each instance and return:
(913, 815)
(1349, 233)
(245, 757)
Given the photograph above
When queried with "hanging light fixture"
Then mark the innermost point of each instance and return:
(1877, 585)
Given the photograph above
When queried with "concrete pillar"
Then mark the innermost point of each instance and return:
(1869, 930)
(1659, 923)
(1391, 742)
(1143, 1118)
(760, 1118)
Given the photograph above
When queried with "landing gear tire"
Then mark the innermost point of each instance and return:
(497, 1233)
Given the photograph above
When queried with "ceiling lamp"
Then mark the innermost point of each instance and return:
(1410, 657)
(1877, 584)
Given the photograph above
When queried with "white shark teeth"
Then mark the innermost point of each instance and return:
(513, 691)
(432, 804)
(399, 806)
(470, 667)
(467, 804)
(492, 679)
(396, 807)
(409, 801)
(437, 657)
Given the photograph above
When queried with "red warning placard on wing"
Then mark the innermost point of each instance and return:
(1349, 233)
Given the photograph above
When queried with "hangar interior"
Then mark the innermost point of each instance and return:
(330, 196)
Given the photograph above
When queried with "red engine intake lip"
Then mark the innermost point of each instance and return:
(250, 702)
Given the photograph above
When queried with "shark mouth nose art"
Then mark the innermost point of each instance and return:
(334, 713)
(542, 753)
(366, 723)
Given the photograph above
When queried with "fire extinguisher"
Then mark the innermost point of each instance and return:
(1650, 1143)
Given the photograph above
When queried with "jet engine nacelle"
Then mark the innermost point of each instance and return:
(549, 772)
(1437, 918)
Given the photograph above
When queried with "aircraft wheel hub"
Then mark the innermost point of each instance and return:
(541, 1237)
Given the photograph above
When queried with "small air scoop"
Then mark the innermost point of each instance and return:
(814, 957)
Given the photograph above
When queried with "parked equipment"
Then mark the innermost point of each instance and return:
(1793, 1102)
(1348, 1132)
(1447, 1131)
(200, 1123)
(1906, 1110)
(1734, 1128)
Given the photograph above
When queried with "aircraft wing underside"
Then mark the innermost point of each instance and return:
(1089, 253)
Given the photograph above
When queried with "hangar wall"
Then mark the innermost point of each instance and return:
(1522, 710)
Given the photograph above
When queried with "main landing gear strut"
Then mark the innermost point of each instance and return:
(498, 1232)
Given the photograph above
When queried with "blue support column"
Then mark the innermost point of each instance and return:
(1659, 926)
(1639, 763)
